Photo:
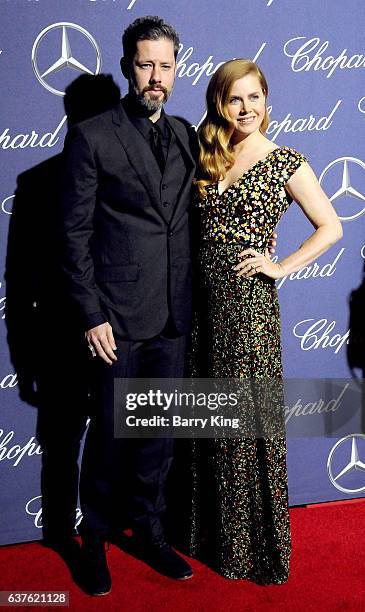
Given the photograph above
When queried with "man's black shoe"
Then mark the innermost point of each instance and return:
(162, 558)
(65, 545)
(69, 550)
(96, 575)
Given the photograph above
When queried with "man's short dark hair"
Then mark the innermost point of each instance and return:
(147, 28)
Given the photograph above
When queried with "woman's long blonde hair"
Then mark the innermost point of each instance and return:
(216, 130)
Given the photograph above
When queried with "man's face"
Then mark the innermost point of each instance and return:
(152, 73)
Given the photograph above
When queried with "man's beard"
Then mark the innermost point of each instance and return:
(149, 104)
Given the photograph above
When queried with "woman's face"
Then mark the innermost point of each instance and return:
(246, 105)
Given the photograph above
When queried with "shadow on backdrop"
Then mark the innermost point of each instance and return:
(45, 336)
(356, 344)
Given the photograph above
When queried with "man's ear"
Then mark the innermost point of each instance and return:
(124, 66)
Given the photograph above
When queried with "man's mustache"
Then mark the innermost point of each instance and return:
(154, 87)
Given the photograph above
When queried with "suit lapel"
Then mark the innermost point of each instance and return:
(142, 159)
(139, 154)
(181, 135)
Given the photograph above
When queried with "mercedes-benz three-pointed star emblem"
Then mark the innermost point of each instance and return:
(353, 465)
(66, 59)
(346, 189)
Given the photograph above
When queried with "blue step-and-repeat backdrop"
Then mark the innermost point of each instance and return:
(314, 57)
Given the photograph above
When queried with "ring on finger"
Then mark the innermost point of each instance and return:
(92, 350)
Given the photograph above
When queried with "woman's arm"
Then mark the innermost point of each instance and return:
(305, 189)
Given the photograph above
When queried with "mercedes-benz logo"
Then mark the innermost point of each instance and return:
(354, 463)
(346, 189)
(66, 59)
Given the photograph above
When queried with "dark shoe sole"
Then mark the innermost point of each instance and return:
(127, 544)
(185, 577)
(165, 573)
(100, 594)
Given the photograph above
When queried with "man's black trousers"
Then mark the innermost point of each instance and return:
(117, 473)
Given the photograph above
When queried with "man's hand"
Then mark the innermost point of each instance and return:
(101, 342)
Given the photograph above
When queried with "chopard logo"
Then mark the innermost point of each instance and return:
(46, 39)
(311, 55)
(345, 166)
(194, 70)
(318, 334)
(2, 305)
(6, 205)
(34, 508)
(301, 124)
(15, 452)
(314, 270)
(300, 409)
(9, 381)
(21, 141)
(342, 464)
(129, 7)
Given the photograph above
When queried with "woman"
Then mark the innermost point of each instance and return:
(247, 184)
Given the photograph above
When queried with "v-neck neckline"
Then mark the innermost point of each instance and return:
(259, 161)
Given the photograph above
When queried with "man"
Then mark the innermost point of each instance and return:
(127, 187)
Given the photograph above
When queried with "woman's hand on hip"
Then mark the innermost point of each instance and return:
(254, 263)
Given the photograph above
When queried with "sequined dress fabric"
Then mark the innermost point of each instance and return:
(239, 516)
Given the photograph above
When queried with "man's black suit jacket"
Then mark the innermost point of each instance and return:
(126, 262)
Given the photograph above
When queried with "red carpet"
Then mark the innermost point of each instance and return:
(327, 573)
